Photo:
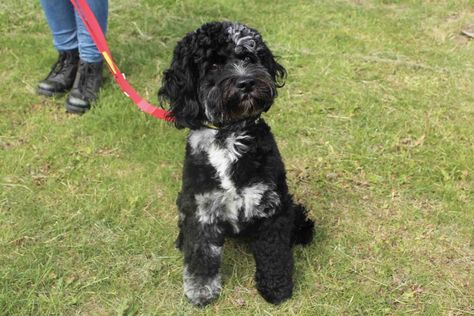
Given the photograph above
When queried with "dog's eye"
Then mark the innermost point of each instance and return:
(214, 66)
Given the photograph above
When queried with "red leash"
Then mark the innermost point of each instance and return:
(89, 20)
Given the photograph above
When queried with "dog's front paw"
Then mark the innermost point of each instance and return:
(200, 289)
(275, 290)
(275, 296)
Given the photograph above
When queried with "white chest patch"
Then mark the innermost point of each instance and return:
(227, 202)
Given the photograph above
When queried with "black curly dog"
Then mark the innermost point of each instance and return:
(222, 77)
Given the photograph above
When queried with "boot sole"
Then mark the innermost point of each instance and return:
(74, 109)
(48, 93)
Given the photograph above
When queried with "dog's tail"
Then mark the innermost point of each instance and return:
(303, 229)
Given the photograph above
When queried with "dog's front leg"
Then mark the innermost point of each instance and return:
(202, 247)
(274, 260)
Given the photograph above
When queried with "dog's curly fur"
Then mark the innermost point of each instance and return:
(221, 78)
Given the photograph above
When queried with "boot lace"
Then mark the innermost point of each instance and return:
(59, 65)
(86, 80)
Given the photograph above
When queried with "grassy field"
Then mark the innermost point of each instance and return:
(375, 125)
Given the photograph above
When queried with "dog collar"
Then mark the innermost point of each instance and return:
(212, 126)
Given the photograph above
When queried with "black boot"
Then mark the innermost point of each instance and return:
(86, 87)
(62, 74)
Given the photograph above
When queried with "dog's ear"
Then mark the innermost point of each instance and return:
(179, 86)
(276, 70)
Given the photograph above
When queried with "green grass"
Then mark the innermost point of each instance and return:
(375, 125)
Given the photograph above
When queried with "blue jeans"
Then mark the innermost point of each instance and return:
(68, 30)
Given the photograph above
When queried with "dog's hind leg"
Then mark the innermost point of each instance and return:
(274, 259)
(202, 247)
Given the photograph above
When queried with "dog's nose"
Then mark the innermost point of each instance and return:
(245, 84)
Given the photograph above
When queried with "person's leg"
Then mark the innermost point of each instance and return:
(87, 49)
(89, 76)
(61, 21)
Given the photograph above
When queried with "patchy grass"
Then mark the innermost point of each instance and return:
(375, 125)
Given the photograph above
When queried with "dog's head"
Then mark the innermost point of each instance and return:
(221, 73)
